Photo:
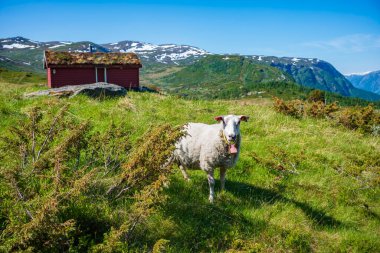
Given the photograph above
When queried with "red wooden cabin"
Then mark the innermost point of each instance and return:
(66, 68)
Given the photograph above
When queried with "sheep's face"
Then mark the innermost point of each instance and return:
(231, 126)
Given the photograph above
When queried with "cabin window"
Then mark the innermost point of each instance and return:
(54, 72)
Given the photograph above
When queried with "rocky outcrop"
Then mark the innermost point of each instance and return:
(92, 90)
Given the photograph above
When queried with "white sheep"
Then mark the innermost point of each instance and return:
(207, 147)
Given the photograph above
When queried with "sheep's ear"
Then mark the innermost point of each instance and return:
(244, 118)
(219, 118)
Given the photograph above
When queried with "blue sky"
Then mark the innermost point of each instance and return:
(345, 33)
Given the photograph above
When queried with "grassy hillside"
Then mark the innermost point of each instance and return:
(233, 77)
(219, 76)
(22, 59)
(18, 77)
(301, 185)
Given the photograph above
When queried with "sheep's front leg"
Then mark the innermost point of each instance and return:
(222, 178)
(211, 183)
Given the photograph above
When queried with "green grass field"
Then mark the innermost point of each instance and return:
(301, 185)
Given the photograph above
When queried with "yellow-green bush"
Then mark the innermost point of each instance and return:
(316, 96)
(365, 119)
(54, 167)
(298, 108)
(295, 108)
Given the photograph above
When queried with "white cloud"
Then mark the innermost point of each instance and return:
(350, 43)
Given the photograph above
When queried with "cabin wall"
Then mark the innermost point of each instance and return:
(49, 77)
(70, 76)
(124, 76)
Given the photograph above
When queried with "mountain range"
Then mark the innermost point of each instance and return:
(369, 81)
(22, 53)
(169, 60)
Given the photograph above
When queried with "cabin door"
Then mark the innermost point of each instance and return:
(101, 75)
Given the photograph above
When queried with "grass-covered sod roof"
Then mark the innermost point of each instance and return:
(70, 58)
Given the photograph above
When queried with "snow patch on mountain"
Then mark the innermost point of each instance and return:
(177, 56)
(17, 45)
(168, 46)
(165, 53)
(56, 46)
(359, 73)
(135, 47)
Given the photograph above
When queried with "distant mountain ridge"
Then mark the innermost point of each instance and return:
(19, 53)
(315, 73)
(310, 72)
(12, 48)
(165, 53)
(369, 81)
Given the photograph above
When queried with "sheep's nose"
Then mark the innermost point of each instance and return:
(232, 136)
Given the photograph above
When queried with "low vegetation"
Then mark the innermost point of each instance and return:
(364, 119)
(84, 174)
(68, 58)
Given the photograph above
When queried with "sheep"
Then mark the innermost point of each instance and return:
(207, 147)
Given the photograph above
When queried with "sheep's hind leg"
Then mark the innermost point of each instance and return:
(184, 173)
(211, 183)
